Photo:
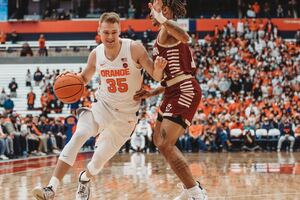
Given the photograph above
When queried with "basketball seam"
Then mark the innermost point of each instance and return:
(81, 90)
(67, 86)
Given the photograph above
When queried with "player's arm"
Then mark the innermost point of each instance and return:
(170, 27)
(144, 94)
(140, 55)
(90, 69)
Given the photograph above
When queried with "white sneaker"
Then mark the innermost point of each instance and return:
(183, 195)
(3, 157)
(291, 150)
(203, 195)
(83, 190)
(55, 151)
(45, 193)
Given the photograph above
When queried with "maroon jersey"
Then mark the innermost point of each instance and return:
(181, 99)
(179, 59)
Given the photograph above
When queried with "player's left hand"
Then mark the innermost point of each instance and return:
(160, 63)
(156, 5)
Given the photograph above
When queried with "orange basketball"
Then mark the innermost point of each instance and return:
(69, 88)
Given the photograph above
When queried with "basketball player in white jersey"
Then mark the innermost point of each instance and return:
(118, 61)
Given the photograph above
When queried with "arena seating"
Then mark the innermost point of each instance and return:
(19, 72)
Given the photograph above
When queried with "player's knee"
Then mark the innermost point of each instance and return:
(80, 135)
(165, 148)
(161, 142)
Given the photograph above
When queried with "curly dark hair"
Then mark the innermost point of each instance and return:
(176, 6)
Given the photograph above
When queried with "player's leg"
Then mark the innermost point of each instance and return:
(110, 141)
(86, 127)
(165, 139)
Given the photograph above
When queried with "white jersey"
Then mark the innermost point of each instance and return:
(119, 79)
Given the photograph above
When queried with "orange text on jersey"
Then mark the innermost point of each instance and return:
(115, 72)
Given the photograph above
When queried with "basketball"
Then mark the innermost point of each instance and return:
(68, 88)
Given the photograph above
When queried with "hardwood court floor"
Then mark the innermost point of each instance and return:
(230, 176)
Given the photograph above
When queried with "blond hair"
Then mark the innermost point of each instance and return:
(110, 17)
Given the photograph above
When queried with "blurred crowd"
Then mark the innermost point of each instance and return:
(30, 136)
(250, 81)
(266, 9)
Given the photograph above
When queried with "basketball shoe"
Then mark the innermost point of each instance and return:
(45, 193)
(185, 196)
(83, 190)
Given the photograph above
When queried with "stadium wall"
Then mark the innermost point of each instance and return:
(86, 29)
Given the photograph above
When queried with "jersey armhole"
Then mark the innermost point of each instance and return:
(137, 65)
(97, 49)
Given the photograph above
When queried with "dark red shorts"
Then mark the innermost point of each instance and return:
(181, 100)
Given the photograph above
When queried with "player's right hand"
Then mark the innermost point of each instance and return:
(141, 94)
(64, 73)
(160, 63)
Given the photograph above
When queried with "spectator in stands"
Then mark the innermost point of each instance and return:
(196, 131)
(297, 130)
(39, 136)
(30, 99)
(44, 102)
(14, 37)
(209, 136)
(267, 10)
(42, 46)
(26, 50)
(267, 124)
(297, 37)
(38, 76)
(59, 130)
(256, 9)
(42, 126)
(130, 33)
(28, 78)
(137, 141)
(131, 12)
(286, 134)
(249, 141)
(223, 135)
(292, 9)
(13, 86)
(279, 11)
(32, 139)
(250, 12)
(6, 141)
(20, 141)
(2, 142)
(3, 97)
(47, 77)
(8, 105)
(14, 138)
(2, 37)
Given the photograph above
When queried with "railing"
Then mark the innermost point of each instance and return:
(52, 44)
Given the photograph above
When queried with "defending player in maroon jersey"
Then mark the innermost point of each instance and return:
(182, 92)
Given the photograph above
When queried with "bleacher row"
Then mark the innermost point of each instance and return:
(259, 133)
(52, 44)
(19, 72)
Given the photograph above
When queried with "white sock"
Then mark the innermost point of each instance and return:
(194, 191)
(54, 183)
(83, 177)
